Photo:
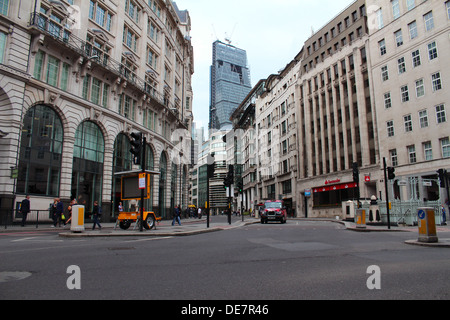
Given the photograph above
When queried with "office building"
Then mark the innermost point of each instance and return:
(230, 83)
(78, 77)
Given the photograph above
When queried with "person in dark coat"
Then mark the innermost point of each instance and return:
(25, 208)
(176, 215)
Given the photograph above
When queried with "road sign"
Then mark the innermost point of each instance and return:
(142, 177)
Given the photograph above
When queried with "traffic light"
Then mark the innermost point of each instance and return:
(442, 175)
(136, 147)
(240, 186)
(355, 172)
(391, 173)
(229, 179)
(211, 170)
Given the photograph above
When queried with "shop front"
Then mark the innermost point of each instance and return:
(333, 194)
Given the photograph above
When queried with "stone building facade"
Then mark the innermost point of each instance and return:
(78, 77)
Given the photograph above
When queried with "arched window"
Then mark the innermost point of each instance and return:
(88, 156)
(40, 152)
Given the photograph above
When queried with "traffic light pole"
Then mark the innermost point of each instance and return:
(143, 165)
(387, 194)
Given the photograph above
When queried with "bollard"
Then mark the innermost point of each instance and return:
(427, 225)
(360, 218)
(77, 222)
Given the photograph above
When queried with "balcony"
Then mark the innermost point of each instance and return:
(42, 24)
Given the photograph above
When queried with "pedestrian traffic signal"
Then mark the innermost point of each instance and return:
(442, 175)
(136, 147)
(355, 172)
(391, 173)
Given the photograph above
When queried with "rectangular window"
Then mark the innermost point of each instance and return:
(445, 147)
(410, 4)
(447, 6)
(423, 118)
(416, 58)
(387, 100)
(420, 88)
(64, 76)
(100, 15)
(4, 7)
(390, 128)
(394, 157)
(384, 73)
(436, 81)
(38, 65)
(86, 87)
(395, 9)
(428, 151)
(429, 21)
(398, 38)
(95, 91)
(408, 123)
(440, 114)
(412, 27)
(379, 15)
(3, 38)
(404, 93)
(401, 65)
(412, 154)
(52, 71)
(152, 58)
(432, 50)
(382, 46)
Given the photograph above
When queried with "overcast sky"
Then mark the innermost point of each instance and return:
(272, 33)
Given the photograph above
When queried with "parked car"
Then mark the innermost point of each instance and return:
(274, 210)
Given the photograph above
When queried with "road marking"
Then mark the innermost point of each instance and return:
(36, 240)
(150, 239)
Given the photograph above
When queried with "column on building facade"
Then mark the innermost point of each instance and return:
(341, 108)
(362, 108)
(307, 138)
(335, 108)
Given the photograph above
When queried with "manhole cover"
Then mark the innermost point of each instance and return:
(8, 276)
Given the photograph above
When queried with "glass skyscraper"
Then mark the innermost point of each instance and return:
(230, 83)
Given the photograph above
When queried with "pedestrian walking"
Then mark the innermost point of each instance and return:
(53, 209)
(176, 215)
(69, 209)
(120, 207)
(25, 208)
(444, 218)
(60, 211)
(96, 214)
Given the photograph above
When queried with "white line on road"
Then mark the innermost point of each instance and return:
(150, 239)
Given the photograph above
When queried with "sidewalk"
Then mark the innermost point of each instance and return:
(164, 228)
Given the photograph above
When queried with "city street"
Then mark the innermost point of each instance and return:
(292, 261)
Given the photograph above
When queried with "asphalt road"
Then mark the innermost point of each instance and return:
(295, 261)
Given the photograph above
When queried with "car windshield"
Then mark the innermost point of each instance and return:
(273, 204)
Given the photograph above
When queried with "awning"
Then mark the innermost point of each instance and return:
(341, 186)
